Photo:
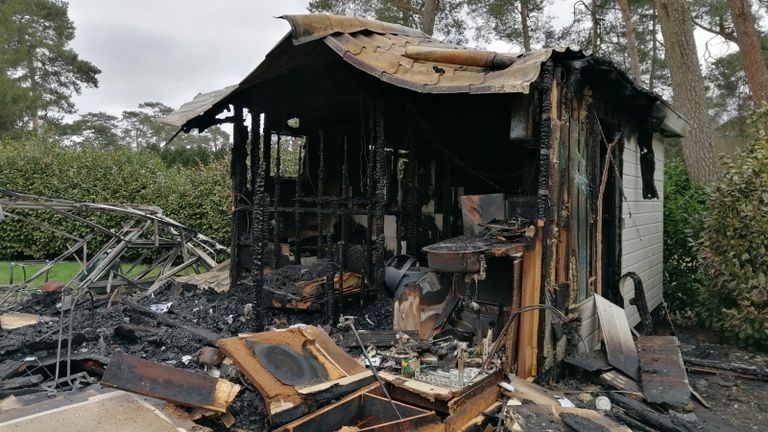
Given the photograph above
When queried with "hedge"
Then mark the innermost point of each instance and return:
(733, 249)
(198, 197)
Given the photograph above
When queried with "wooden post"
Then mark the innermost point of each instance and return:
(511, 343)
(528, 346)
(239, 176)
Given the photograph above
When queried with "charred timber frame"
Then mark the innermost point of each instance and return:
(259, 216)
(241, 245)
(382, 177)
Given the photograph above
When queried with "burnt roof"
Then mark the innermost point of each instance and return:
(379, 49)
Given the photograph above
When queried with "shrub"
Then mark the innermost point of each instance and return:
(732, 250)
(685, 204)
(197, 196)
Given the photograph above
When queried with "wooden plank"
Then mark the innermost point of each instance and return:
(590, 361)
(528, 345)
(619, 381)
(429, 391)
(471, 405)
(477, 421)
(645, 414)
(617, 336)
(662, 371)
(511, 337)
(587, 420)
(14, 320)
(22, 381)
(168, 383)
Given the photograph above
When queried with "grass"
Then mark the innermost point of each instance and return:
(61, 272)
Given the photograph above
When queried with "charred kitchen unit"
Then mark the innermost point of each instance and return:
(519, 179)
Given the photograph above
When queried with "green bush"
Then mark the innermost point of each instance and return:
(732, 249)
(685, 204)
(197, 196)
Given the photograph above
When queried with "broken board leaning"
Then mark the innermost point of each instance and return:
(619, 345)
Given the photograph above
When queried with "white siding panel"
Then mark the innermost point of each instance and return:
(642, 241)
(642, 238)
(589, 324)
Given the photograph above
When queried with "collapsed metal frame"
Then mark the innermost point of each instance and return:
(143, 228)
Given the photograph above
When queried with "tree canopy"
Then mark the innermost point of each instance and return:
(40, 71)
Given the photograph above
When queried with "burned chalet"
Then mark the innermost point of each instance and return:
(471, 186)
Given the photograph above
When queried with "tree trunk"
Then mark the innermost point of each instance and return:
(629, 26)
(688, 88)
(751, 52)
(524, 25)
(654, 52)
(428, 16)
(595, 28)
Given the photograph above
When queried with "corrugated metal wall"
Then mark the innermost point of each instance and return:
(642, 248)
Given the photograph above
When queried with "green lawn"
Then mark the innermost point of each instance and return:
(61, 272)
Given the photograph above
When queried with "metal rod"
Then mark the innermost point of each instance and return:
(351, 325)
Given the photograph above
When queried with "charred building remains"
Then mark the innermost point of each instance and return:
(516, 181)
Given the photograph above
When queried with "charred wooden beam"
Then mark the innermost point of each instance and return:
(370, 186)
(195, 331)
(320, 190)
(259, 229)
(343, 218)
(168, 383)
(255, 150)
(381, 197)
(240, 247)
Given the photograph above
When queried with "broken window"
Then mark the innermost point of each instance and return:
(291, 152)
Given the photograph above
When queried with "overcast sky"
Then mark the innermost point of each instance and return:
(169, 50)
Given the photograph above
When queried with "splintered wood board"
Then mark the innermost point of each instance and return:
(619, 381)
(663, 372)
(619, 345)
(168, 383)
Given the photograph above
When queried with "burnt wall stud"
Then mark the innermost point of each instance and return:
(343, 216)
(239, 174)
(258, 219)
(381, 199)
(320, 188)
